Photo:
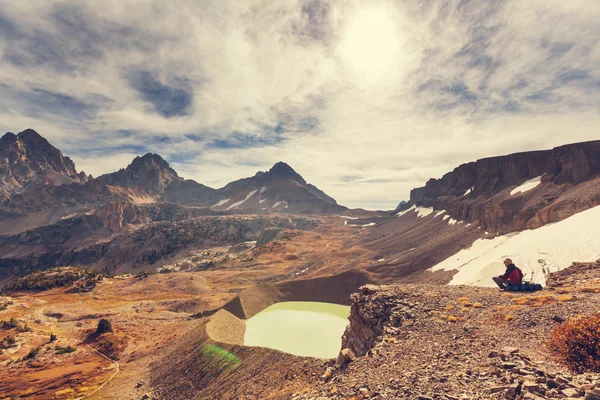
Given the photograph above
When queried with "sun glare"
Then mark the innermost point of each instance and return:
(370, 40)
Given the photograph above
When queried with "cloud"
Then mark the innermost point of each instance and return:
(168, 101)
(226, 88)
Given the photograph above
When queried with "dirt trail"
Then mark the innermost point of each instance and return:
(117, 369)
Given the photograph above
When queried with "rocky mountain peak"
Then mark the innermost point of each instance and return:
(33, 138)
(149, 172)
(151, 161)
(282, 170)
(26, 156)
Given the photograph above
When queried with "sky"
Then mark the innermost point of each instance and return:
(365, 99)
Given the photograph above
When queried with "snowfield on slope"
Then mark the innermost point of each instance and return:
(526, 186)
(539, 251)
(234, 205)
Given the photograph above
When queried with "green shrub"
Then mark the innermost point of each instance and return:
(52, 337)
(104, 326)
(64, 350)
(34, 352)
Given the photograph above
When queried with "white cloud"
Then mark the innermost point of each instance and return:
(365, 100)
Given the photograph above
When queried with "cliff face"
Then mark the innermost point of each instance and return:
(480, 191)
(373, 308)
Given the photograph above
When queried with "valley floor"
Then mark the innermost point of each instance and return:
(453, 345)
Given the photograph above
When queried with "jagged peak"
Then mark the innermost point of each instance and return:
(283, 170)
(8, 136)
(32, 138)
(151, 160)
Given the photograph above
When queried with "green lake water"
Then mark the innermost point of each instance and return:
(299, 327)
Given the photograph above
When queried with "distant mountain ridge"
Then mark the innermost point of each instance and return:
(31, 171)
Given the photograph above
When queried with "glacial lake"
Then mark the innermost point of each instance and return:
(302, 328)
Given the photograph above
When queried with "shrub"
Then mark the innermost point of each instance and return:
(576, 344)
(34, 352)
(104, 326)
(64, 350)
(52, 337)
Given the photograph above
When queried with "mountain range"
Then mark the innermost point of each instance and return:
(51, 214)
(39, 185)
(179, 268)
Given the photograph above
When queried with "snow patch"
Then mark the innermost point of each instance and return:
(222, 202)
(262, 189)
(381, 259)
(468, 191)
(437, 214)
(277, 204)
(423, 212)
(401, 213)
(261, 201)
(527, 185)
(234, 205)
(539, 251)
(343, 216)
(452, 221)
(445, 217)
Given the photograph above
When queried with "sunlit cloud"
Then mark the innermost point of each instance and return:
(365, 99)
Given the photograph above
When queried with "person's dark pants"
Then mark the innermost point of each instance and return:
(501, 282)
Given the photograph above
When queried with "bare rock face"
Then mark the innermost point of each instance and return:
(480, 192)
(120, 214)
(373, 308)
(150, 173)
(28, 158)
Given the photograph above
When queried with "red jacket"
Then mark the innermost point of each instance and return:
(513, 274)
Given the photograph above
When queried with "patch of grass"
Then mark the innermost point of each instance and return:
(576, 344)
(219, 357)
(449, 307)
(64, 392)
(452, 318)
(536, 301)
(477, 305)
(564, 297)
(509, 317)
(463, 299)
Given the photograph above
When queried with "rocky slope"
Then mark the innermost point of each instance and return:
(122, 238)
(431, 342)
(28, 159)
